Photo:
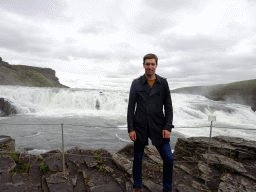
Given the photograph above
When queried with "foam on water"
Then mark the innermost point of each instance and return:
(65, 102)
(189, 110)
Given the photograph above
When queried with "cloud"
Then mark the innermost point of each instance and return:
(98, 28)
(23, 35)
(35, 8)
(197, 42)
(148, 23)
(173, 5)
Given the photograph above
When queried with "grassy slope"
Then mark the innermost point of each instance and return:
(9, 76)
(243, 92)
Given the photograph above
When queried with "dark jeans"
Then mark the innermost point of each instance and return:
(166, 154)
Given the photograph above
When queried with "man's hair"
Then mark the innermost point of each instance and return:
(150, 56)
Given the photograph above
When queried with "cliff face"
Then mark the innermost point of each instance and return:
(27, 76)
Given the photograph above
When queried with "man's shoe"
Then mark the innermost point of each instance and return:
(170, 191)
(137, 190)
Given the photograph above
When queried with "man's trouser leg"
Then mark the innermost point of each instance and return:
(167, 156)
(137, 164)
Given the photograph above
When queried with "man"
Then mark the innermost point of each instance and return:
(149, 93)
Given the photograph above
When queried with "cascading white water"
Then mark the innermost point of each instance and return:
(189, 110)
(56, 101)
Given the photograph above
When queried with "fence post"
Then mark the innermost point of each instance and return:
(210, 118)
(63, 149)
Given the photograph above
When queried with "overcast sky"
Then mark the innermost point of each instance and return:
(100, 44)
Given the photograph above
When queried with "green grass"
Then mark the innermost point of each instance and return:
(98, 158)
(9, 76)
(21, 166)
(44, 168)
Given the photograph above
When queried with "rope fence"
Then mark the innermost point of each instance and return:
(211, 119)
(109, 127)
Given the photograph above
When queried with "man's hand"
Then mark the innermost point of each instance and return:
(166, 134)
(132, 135)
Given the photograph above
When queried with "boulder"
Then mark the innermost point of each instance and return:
(56, 182)
(7, 143)
(7, 164)
(6, 108)
(54, 162)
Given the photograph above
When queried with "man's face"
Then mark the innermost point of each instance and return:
(150, 67)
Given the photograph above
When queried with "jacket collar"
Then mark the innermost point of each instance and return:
(156, 87)
(144, 79)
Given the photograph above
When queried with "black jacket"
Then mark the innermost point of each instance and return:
(148, 119)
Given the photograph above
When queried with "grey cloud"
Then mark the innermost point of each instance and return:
(72, 53)
(222, 71)
(97, 28)
(150, 23)
(23, 41)
(170, 5)
(45, 8)
(199, 43)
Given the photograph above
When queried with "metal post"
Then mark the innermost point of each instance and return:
(210, 118)
(63, 150)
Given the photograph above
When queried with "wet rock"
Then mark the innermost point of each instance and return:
(7, 164)
(232, 164)
(27, 158)
(35, 173)
(97, 106)
(5, 177)
(54, 162)
(153, 186)
(228, 162)
(123, 163)
(57, 182)
(7, 143)
(81, 156)
(232, 167)
(50, 153)
(6, 108)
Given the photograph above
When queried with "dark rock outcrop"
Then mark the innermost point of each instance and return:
(6, 108)
(7, 143)
(232, 164)
(232, 167)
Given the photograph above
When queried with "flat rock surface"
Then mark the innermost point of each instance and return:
(232, 167)
(7, 164)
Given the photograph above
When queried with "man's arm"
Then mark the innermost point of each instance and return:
(168, 112)
(131, 108)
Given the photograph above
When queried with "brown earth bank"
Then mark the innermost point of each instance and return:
(241, 92)
(232, 167)
(23, 75)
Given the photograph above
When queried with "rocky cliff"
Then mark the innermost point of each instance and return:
(27, 76)
(232, 167)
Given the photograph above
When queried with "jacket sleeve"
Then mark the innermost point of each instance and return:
(131, 107)
(168, 109)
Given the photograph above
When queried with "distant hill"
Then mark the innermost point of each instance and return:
(28, 76)
(242, 92)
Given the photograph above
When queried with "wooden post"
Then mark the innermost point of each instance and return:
(63, 150)
(210, 118)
